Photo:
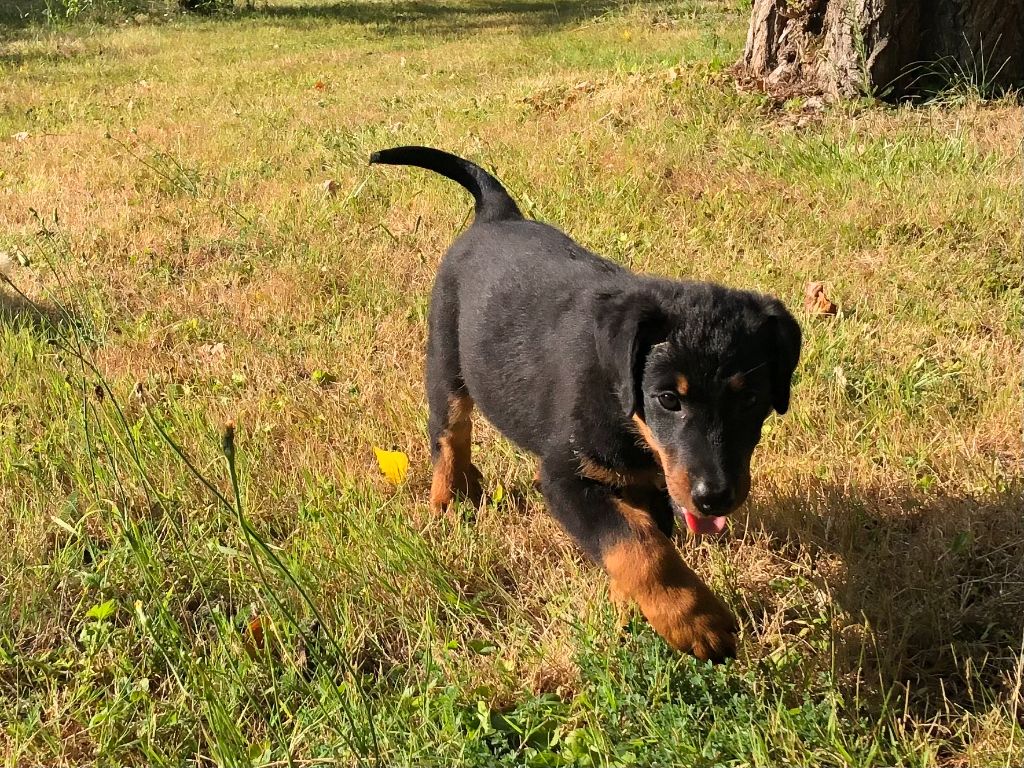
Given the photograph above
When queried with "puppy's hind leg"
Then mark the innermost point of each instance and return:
(451, 407)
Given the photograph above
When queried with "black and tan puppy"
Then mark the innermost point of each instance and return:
(642, 397)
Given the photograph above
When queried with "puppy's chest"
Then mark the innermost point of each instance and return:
(648, 478)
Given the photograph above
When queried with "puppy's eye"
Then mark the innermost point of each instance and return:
(669, 401)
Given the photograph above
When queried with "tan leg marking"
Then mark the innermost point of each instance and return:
(647, 568)
(454, 473)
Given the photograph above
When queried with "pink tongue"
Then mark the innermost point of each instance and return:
(703, 525)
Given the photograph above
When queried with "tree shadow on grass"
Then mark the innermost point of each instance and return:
(448, 18)
(432, 18)
(19, 19)
(15, 14)
(938, 579)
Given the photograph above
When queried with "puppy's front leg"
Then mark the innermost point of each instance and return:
(642, 564)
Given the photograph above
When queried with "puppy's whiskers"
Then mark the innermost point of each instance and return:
(755, 368)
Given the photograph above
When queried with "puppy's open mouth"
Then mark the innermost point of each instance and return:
(699, 524)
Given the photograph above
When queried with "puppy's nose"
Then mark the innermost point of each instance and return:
(713, 498)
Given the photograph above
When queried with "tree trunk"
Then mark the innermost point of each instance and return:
(887, 48)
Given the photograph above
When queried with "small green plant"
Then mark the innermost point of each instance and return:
(950, 81)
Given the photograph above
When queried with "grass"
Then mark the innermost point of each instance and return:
(179, 592)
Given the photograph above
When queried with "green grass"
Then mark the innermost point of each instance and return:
(169, 195)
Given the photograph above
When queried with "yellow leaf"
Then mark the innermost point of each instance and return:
(498, 495)
(394, 464)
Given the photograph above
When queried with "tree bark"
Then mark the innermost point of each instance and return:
(886, 48)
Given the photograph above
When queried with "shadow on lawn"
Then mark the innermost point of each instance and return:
(938, 579)
(18, 312)
(430, 17)
(423, 17)
(17, 14)
(452, 18)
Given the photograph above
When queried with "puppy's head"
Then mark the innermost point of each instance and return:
(698, 368)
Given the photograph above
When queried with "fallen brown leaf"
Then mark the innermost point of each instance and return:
(816, 301)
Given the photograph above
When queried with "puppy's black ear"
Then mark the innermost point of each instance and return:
(627, 325)
(785, 337)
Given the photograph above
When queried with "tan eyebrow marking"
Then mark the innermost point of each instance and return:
(682, 385)
(737, 382)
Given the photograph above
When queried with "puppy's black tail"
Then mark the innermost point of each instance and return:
(492, 201)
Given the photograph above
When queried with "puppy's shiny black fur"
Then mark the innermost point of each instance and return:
(635, 392)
